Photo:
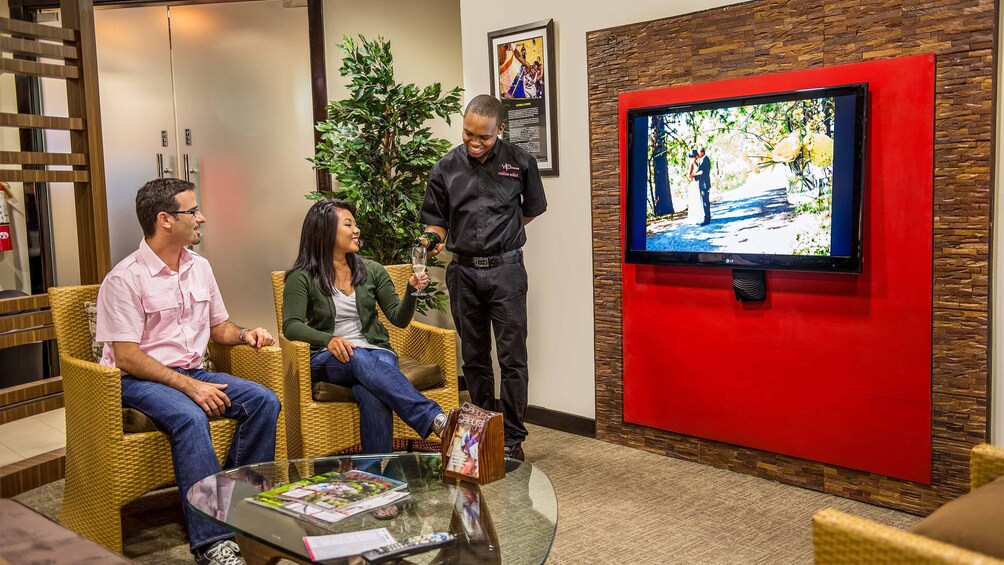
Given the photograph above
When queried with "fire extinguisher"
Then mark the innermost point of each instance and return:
(6, 243)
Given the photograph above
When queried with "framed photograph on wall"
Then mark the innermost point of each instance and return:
(522, 77)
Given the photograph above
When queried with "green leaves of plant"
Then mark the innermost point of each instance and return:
(376, 145)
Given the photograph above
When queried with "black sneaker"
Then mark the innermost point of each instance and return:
(225, 552)
(515, 452)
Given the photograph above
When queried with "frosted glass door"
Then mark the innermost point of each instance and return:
(242, 80)
(137, 111)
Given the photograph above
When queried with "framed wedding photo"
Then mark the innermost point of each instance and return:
(522, 77)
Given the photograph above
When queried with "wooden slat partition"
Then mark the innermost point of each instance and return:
(84, 101)
(27, 320)
(31, 68)
(38, 158)
(12, 175)
(36, 301)
(18, 27)
(84, 122)
(20, 46)
(26, 336)
(42, 122)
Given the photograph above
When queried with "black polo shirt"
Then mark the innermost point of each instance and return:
(482, 205)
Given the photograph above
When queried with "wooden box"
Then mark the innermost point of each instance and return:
(473, 445)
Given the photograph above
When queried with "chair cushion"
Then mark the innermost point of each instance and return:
(972, 521)
(420, 375)
(135, 422)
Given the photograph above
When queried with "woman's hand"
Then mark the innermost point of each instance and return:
(419, 281)
(340, 348)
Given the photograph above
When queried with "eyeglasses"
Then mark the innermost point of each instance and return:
(193, 212)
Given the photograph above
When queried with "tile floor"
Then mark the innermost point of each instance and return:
(32, 436)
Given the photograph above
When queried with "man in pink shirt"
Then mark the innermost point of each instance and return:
(157, 310)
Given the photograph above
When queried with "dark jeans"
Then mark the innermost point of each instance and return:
(493, 299)
(381, 390)
(256, 410)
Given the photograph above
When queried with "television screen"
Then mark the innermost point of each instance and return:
(771, 181)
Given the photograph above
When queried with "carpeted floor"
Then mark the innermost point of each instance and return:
(615, 505)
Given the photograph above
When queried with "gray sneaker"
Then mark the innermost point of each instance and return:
(223, 553)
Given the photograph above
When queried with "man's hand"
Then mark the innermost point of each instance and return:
(436, 250)
(209, 396)
(341, 348)
(258, 338)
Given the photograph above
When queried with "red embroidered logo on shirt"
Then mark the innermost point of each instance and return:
(509, 170)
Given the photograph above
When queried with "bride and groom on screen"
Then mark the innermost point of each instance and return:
(699, 188)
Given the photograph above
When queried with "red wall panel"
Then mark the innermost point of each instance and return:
(831, 368)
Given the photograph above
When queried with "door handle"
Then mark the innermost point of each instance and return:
(161, 170)
(189, 169)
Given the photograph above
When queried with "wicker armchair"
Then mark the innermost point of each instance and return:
(105, 467)
(841, 538)
(328, 427)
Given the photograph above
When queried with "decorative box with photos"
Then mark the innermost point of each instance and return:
(473, 445)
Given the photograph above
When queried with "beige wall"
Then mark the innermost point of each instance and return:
(425, 42)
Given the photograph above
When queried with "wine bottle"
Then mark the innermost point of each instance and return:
(429, 240)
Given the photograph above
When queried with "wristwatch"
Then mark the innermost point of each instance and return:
(241, 338)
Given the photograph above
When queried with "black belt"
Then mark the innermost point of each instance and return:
(492, 261)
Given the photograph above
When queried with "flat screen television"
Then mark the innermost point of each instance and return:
(785, 181)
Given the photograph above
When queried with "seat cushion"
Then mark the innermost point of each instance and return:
(974, 521)
(422, 376)
(134, 422)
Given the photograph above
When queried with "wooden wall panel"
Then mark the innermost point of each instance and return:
(772, 36)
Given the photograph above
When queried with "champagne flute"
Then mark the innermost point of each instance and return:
(419, 257)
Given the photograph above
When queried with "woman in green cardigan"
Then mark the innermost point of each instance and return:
(330, 302)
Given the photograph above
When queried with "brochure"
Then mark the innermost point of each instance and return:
(462, 456)
(333, 496)
(333, 546)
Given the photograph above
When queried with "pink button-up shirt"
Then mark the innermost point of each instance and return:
(169, 314)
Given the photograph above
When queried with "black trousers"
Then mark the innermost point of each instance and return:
(706, 201)
(485, 300)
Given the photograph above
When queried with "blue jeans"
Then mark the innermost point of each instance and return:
(256, 410)
(381, 390)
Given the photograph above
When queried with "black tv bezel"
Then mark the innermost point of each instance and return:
(851, 264)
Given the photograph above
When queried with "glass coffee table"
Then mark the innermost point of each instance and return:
(509, 521)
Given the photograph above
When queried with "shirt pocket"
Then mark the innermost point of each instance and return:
(508, 192)
(200, 306)
(161, 308)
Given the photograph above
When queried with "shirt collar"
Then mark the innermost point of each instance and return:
(156, 265)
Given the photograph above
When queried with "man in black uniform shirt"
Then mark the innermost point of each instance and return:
(479, 197)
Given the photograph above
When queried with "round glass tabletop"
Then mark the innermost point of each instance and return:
(511, 520)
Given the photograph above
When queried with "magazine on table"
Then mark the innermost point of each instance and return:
(462, 455)
(333, 496)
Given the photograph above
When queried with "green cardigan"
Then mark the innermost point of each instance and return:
(309, 315)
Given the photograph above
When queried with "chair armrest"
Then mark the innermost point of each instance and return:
(842, 538)
(296, 362)
(93, 397)
(434, 346)
(986, 463)
(263, 366)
